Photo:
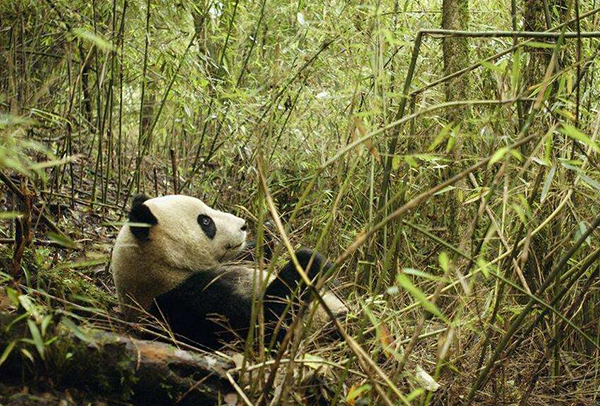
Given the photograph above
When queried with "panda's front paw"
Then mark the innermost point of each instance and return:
(319, 263)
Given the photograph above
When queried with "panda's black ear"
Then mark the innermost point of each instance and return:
(140, 213)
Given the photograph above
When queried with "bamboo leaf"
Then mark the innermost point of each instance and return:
(13, 295)
(444, 190)
(92, 38)
(62, 240)
(411, 161)
(45, 323)
(75, 330)
(492, 66)
(498, 155)
(27, 303)
(574, 133)
(444, 261)
(27, 354)
(37, 338)
(594, 184)
(548, 144)
(355, 392)
(547, 183)
(10, 215)
(483, 264)
(424, 275)
(419, 296)
(537, 44)
(7, 352)
(439, 138)
(415, 394)
(516, 70)
(54, 162)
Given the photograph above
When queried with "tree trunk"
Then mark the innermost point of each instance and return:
(455, 16)
(114, 366)
(537, 18)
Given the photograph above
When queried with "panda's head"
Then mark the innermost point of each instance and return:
(184, 233)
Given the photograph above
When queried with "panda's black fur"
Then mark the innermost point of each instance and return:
(194, 309)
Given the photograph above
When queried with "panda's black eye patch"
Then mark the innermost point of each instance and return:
(208, 225)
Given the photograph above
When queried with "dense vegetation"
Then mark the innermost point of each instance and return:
(460, 210)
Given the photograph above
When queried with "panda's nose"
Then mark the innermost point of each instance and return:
(245, 226)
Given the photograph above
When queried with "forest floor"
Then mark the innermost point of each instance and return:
(76, 281)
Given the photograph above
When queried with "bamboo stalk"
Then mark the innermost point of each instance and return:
(174, 174)
(120, 153)
(141, 136)
(508, 34)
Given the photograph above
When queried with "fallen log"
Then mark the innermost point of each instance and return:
(113, 366)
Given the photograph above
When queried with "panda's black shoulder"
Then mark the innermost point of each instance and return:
(190, 307)
(201, 293)
(194, 285)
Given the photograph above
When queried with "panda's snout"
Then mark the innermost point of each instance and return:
(233, 247)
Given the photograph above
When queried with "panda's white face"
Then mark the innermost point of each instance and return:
(190, 235)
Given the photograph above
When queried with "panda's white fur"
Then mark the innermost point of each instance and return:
(175, 247)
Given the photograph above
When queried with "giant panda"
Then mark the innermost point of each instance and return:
(176, 260)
